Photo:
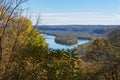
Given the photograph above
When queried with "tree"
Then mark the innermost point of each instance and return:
(16, 32)
(107, 53)
(96, 51)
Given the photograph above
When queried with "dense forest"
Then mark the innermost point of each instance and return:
(24, 53)
(66, 40)
(80, 31)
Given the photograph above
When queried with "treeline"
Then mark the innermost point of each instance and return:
(89, 31)
(80, 31)
(66, 40)
(96, 29)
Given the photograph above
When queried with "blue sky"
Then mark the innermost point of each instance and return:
(60, 12)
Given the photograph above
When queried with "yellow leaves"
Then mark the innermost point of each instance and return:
(57, 72)
(29, 63)
(26, 24)
(78, 63)
(28, 32)
(114, 63)
(25, 21)
(98, 43)
(37, 40)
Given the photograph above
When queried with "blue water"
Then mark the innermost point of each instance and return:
(50, 39)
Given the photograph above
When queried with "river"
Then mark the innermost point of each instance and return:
(50, 39)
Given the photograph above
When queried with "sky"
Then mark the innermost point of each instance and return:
(80, 12)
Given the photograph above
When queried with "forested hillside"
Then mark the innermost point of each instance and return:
(80, 31)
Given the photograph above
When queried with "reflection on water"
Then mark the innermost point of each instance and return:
(50, 39)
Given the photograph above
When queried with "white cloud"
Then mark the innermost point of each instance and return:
(78, 18)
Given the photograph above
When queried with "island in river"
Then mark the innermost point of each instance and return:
(66, 40)
(50, 39)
